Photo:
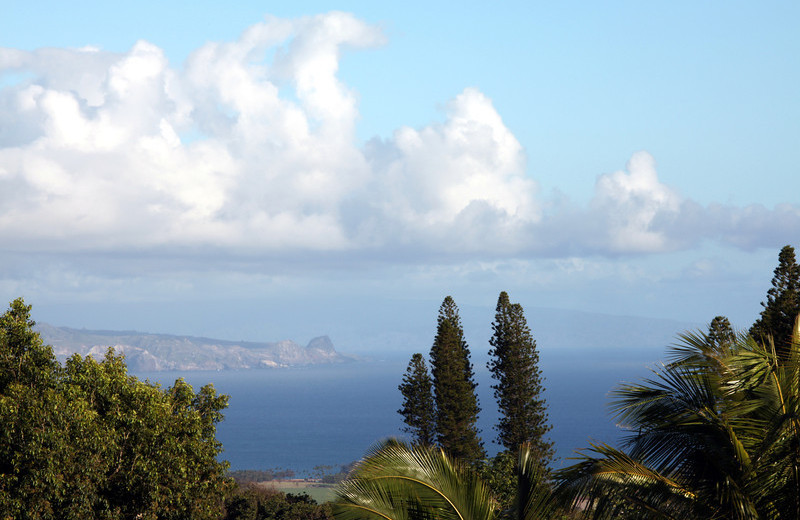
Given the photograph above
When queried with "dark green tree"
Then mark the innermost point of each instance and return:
(24, 359)
(500, 474)
(515, 366)
(454, 388)
(418, 409)
(720, 332)
(783, 302)
(253, 502)
(714, 434)
(90, 441)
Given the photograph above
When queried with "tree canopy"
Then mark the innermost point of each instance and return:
(720, 332)
(454, 388)
(715, 433)
(88, 440)
(418, 410)
(515, 366)
(783, 302)
(254, 502)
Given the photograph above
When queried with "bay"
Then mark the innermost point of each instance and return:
(299, 418)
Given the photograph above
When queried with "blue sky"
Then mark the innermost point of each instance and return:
(633, 158)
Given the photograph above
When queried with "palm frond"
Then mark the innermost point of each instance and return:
(535, 498)
(397, 482)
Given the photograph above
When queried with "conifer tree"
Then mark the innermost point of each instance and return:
(720, 332)
(418, 410)
(783, 302)
(515, 366)
(454, 388)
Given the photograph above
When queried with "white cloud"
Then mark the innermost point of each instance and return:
(268, 159)
(459, 184)
(630, 202)
(250, 149)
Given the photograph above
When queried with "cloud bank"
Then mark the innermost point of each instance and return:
(250, 148)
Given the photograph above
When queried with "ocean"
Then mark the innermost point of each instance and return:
(299, 418)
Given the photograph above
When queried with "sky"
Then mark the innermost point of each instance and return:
(265, 170)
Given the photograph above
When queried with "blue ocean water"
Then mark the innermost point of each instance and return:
(330, 415)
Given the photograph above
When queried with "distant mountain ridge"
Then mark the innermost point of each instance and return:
(157, 352)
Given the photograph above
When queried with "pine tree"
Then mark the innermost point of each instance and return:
(418, 410)
(783, 302)
(514, 364)
(720, 332)
(454, 388)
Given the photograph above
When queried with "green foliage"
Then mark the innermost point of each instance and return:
(259, 503)
(400, 482)
(783, 302)
(90, 441)
(520, 485)
(418, 409)
(24, 359)
(535, 498)
(714, 434)
(500, 474)
(454, 388)
(396, 481)
(720, 332)
(523, 411)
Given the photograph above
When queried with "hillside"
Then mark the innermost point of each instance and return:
(155, 352)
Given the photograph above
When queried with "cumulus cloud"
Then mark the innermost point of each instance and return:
(633, 212)
(642, 214)
(249, 147)
(629, 201)
(461, 183)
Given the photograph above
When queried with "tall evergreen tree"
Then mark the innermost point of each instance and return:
(418, 410)
(454, 388)
(783, 302)
(720, 332)
(515, 366)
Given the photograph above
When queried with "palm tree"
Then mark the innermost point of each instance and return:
(714, 434)
(396, 481)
